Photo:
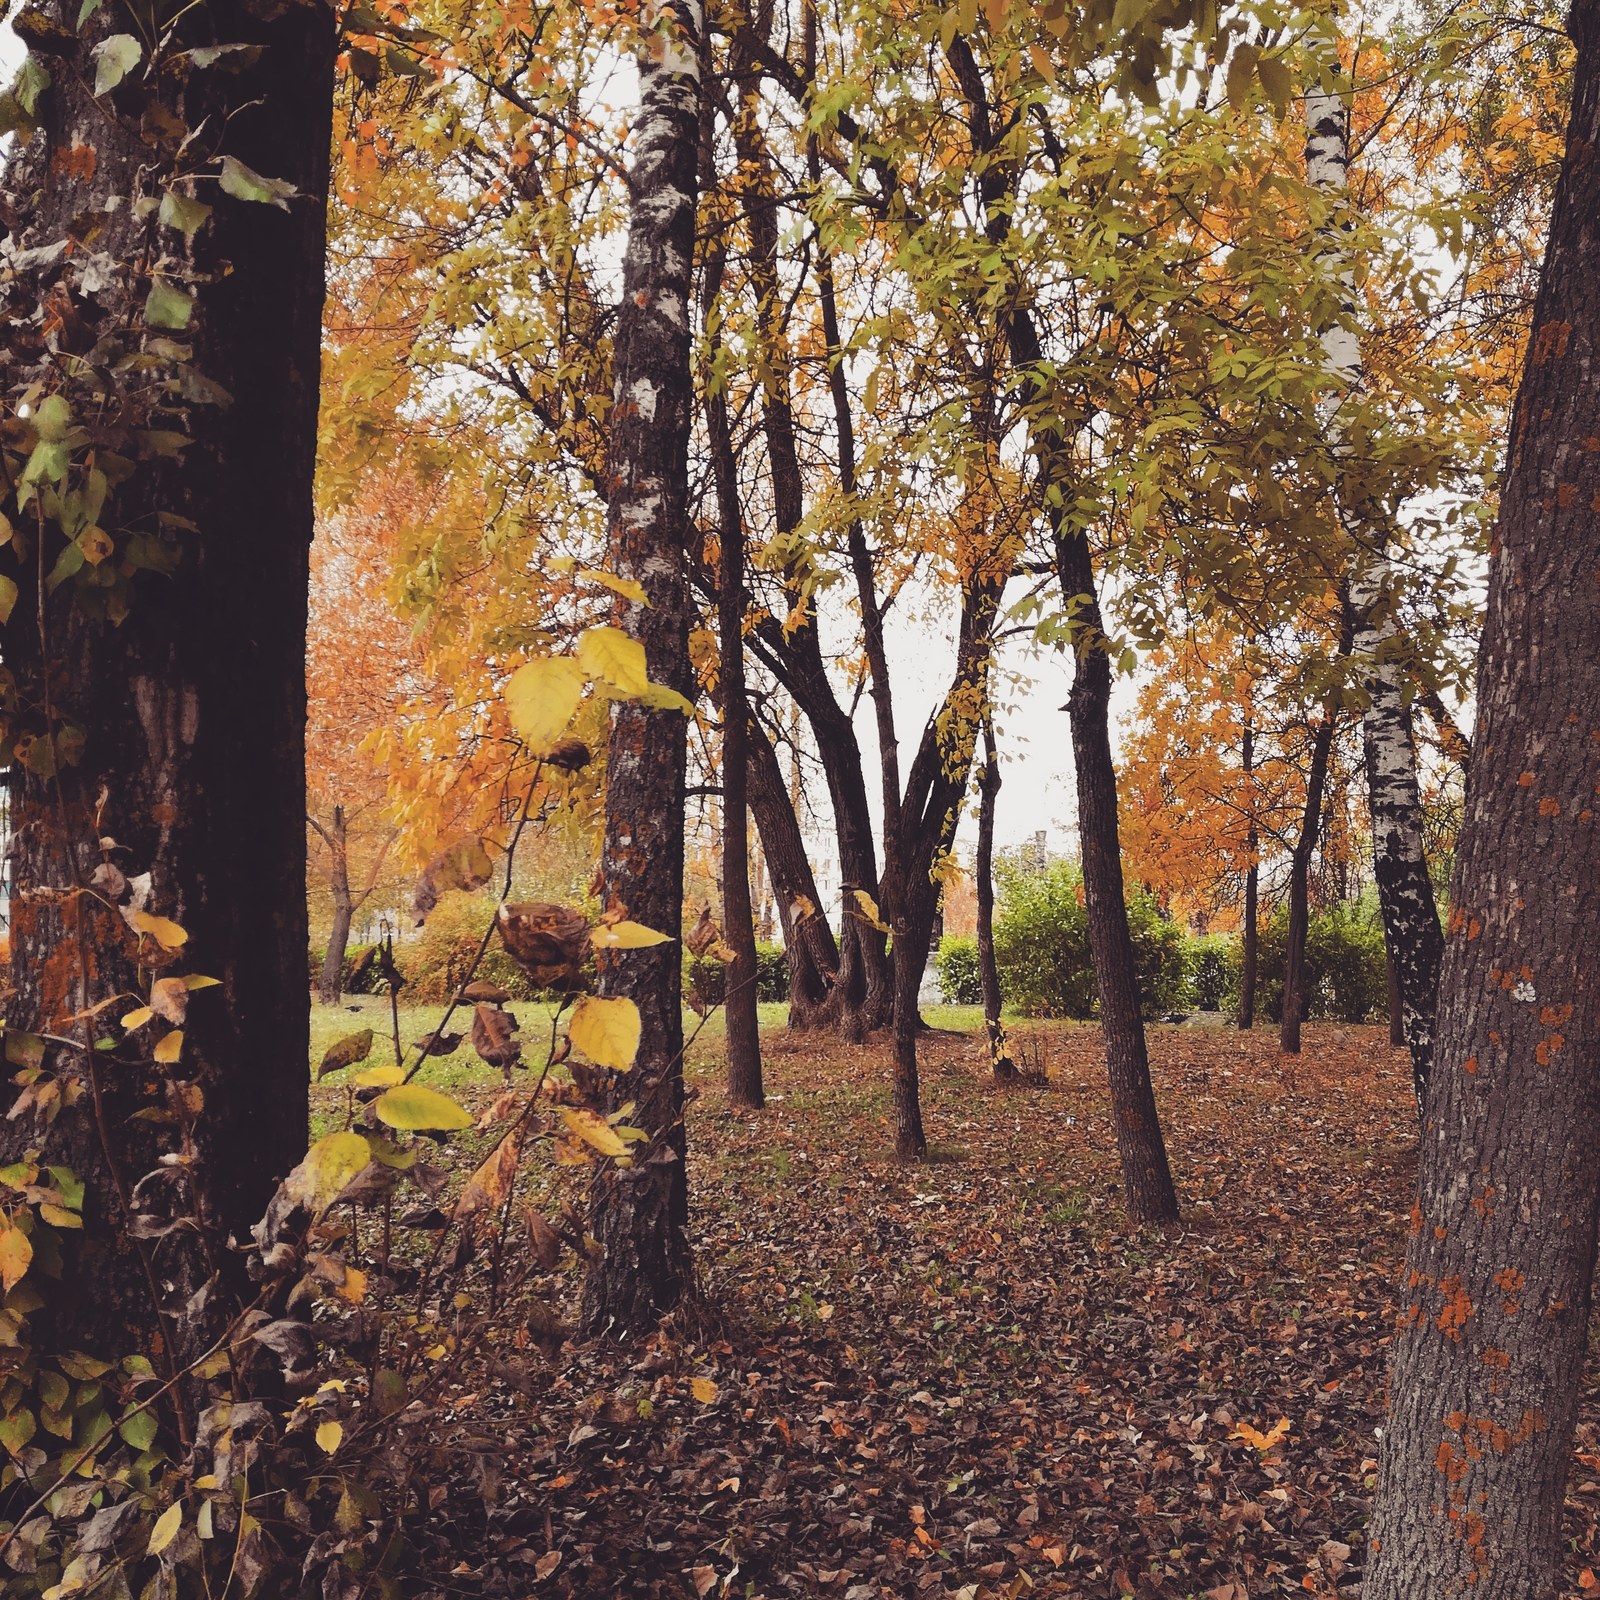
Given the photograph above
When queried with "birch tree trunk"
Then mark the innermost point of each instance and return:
(640, 1216)
(1405, 891)
(1494, 1320)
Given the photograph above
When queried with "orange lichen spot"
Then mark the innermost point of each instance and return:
(1498, 1359)
(1547, 1048)
(1550, 342)
(1448, 1460)
(1482, 1203)
(1474, 928)
(1586, 815)
(1494, 1036)
(1549, 807)
(1509, 1279)
(1456, 1310)
(1526, 780)
(1410, 1318)
(1554, 1016)
(1416, 1218)
(75, 161)
(1470, 1065)
(1565, 493)
(1591, 444)
(1440, 1233)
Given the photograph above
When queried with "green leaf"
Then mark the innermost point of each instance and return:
(183, 212)
(167, 306)
(53, 420)
(139, 1430)
(87, 10)
(8, 599)
(244, 184)
(114, 59)
(416, 1108)
(32, 81)
(346, 1052)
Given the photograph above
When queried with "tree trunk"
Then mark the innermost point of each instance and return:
(1405, 891)
(808, 943)
(1003, 1067)
(1397, 1024)
(1494, 1324)
(640, 1215)
(738, 920)
(1252, 896)
(1294, 960)
(338, 842)
(166, 713)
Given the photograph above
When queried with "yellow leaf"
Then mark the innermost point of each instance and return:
(628, 588)
(329, 1434)
(170, 1047)
(166, 1528)
(1045, 67)
(163, 930)
(626, 936)
(803, 906)
(15, 1254)
(594, 1130)
(541, 697)
(609, 654)
(346, 1052)
(1262, 1442)
(607, 1031)
(488, 1187)
(325, 1169)
(415, 1107)
(378, 1078)
(196, 980)
(703, 1389)
(867, 911)
(137, 1019)
(660, 698)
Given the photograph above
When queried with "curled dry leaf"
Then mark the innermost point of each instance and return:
(494, 1036)
(547, 941)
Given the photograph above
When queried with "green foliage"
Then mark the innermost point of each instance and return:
(1041, 941)
(1213, 972)
(1346, 970)
(705, 979)
(957, 963)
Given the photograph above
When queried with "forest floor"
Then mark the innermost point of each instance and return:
(970, 1378)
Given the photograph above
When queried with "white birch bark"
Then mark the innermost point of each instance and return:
(1405, 891)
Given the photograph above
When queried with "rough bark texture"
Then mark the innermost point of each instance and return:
(1305, 846)
(1251, 942)
(738, 919)
(193, 709)
(1397, 1018)
(1495, 1308)
(1405, 891)
(1003, 1067)
(640, 1216)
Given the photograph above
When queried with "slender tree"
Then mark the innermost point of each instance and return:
(1250, 939)
(1004, 1068)
(1305, 847)
(1405, 890)
(640, 1217)
(163, 343)
(1494, 1320)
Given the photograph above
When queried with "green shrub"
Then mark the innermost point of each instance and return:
(1041, 942)
(708, 979)
(438, 957)
(957, 963)
(1214, 972)
(1347, 976)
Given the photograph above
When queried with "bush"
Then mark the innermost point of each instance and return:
(436, 960)
(957, 963)
(1347, 977)
(1041, 941)
(1214, 972)
(708, 979)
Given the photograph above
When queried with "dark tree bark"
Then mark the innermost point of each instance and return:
(337, 839)
(1147, 1186)
(738, 920)
(180, 732)
(808, 942)
(1494, 1322)
(1294, 961)
(640, 1216)
(1397, 1021)
(1003, 1067)
(1251, 942)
